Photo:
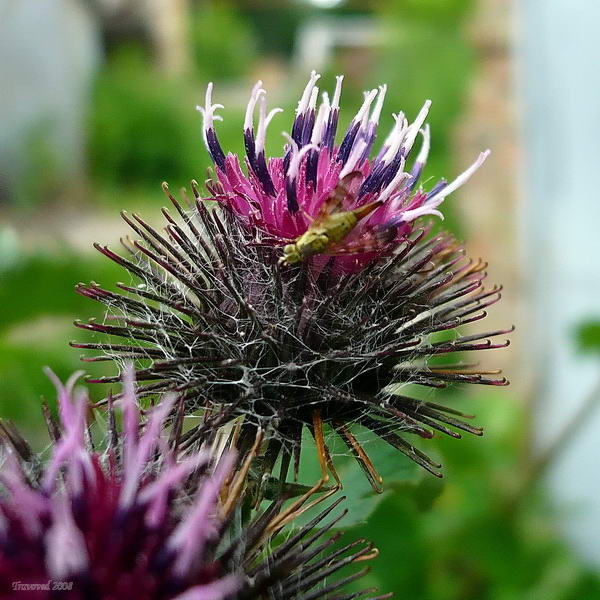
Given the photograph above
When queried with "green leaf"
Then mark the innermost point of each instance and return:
(588, 336)
(43, 284)
(361, 500)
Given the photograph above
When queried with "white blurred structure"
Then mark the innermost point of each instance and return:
(164, 21)
(560, 83)
(48, 52)
(318, 38)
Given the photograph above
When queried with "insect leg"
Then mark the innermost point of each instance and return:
(234, 490)
(297, 508)
(361, 456)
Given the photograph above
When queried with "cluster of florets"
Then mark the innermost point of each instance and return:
(281, 196)
(132, 519)
(219, 317)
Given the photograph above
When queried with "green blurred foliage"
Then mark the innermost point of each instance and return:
(477, 535)
(430, 12)
(43, 284)
(140, 131)
(588, 336)
(38, 308)
(435, 61)
(143, 128)
(44, 170)
(223, 45)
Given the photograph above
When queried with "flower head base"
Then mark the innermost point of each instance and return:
(282, 196)
(134, 521)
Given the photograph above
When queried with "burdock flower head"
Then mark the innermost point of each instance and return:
(124, 518)
(311, 294)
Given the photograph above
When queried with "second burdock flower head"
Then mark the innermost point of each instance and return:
(310, 295)
(125, 516)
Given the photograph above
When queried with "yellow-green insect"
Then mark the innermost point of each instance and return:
(330, 227)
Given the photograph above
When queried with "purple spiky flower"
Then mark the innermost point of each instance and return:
(123, 517)
(282, 196)
(333, 340)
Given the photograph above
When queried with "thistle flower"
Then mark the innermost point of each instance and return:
(284, 196)
(334, 339)
(133, 521)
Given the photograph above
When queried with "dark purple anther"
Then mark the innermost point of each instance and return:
(330, 131)
(250, 145)
(415, 175)
(286, 160)
(373, 180)
(312, 162)
(381, 176)
(438, 187)
(348, 142)
(297, 129)
(215, 149)
(307, 128)
(292, 199)
(258, 164)
(391, 170)
(262, 172)
(369, 137)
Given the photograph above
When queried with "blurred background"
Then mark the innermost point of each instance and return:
(97, 109)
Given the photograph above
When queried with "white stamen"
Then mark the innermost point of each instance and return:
(257, 91)
(424, 151)
(392, 186)
(379, 105)
(312, 104)
(297, 156)
(355, 154)
(306, 95)
(320, 121)
(365, 117)
(208, 110)
(369, 97)
(290, 140)
(392, 134)
(271, 114)
(460, 180)
(411, 215)
(263, 123)
(338, 90)
(395, 138)
(414, 129)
